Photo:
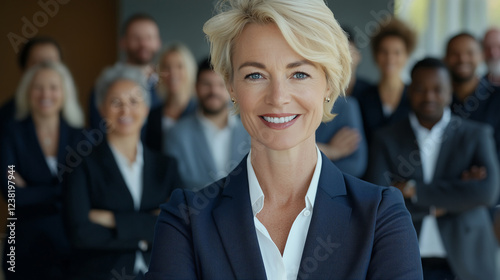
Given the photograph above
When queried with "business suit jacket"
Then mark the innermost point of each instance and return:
(348, 115)
(98, 184)
(357, 231)
(154, 137)
(42, 247)
(373, 113)
(466, 229)
(188, 144)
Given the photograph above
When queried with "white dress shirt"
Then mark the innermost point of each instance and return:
(132, 175)
(429, 142)
(219, 142)
(284, 267)
(52, 164)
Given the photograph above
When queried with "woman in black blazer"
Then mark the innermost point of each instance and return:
(177, 76)
(387, 102)
(113, 196)
(37, 145)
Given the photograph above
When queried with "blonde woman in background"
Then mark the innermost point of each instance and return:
(38, 145)
(177, 72)
(286, 211)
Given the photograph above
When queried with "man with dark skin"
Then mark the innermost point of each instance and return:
(447, 170)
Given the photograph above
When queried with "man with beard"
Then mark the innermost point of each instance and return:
(140, 42)
(473, 98)
(211, 142)
(491, 51)
(445, 168)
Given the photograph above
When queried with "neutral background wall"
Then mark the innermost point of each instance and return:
(86, 30)
(182, 21)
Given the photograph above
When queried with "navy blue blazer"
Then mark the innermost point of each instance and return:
(42, 247)
(373, 113)
(153, 136)
(97, 183)
(358, 231)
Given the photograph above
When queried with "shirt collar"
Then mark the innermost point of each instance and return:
(438, 128)
(231, 121)
(257, 196)
(120, 158)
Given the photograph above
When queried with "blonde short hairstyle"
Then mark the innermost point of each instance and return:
(71, 111)
(189, 62)
(309, 27)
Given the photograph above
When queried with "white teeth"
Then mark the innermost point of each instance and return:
(125, 120)
(279, 120)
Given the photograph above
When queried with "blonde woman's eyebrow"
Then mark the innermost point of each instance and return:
(253, 64)
(300, 63)
(289, 66)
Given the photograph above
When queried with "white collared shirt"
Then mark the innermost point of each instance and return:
(284, 267)
(219, 142)
(132, 175)
(429, 142)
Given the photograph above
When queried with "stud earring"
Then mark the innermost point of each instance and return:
(233, 100)
(327, 99)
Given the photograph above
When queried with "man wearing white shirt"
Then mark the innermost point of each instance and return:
(211, 142)
(447, 170)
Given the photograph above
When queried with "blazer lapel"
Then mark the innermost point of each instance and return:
(203, 149)
(329, 224)
(234, 220)
(408, 162)
(114, 176)
(446, 147)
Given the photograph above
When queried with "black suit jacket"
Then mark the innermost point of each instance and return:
(466, 229)
(98, 184)
(41, 243)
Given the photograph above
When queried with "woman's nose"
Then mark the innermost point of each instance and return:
(278, 94)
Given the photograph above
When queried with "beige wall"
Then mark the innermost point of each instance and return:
(86, 29)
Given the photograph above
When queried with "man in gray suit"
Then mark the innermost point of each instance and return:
(211, 142)
(448, 172)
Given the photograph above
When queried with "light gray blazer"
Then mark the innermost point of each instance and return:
(466, 229)
(187, 143)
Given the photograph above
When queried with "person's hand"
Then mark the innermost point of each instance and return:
(156, 212)
(17, 179)
(407, 188)
(104, 218)
(474, 173)
(343, 144)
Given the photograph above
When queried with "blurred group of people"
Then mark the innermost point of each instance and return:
(87, 198)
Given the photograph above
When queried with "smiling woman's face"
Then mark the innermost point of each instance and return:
(280, 94)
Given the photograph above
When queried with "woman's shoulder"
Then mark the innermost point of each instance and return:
(365, 193)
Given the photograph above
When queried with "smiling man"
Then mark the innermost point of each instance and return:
(447, 171)
(211, 142)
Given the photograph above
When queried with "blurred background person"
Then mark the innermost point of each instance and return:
(447, 196)
(491, 52)
(140, 41)
(387, 101)
(211, 142)
(113, 196)
(473, 98)
(177, 70)
(36, 50)
(343, 141)
(357, 85)
(38, 143)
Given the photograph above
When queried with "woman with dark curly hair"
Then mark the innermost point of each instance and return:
(387, 101)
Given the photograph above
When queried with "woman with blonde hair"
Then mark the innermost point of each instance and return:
(35, 149)
(177, 73)
(286, 211)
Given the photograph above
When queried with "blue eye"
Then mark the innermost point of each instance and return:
(300, 75)
(253, 76)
